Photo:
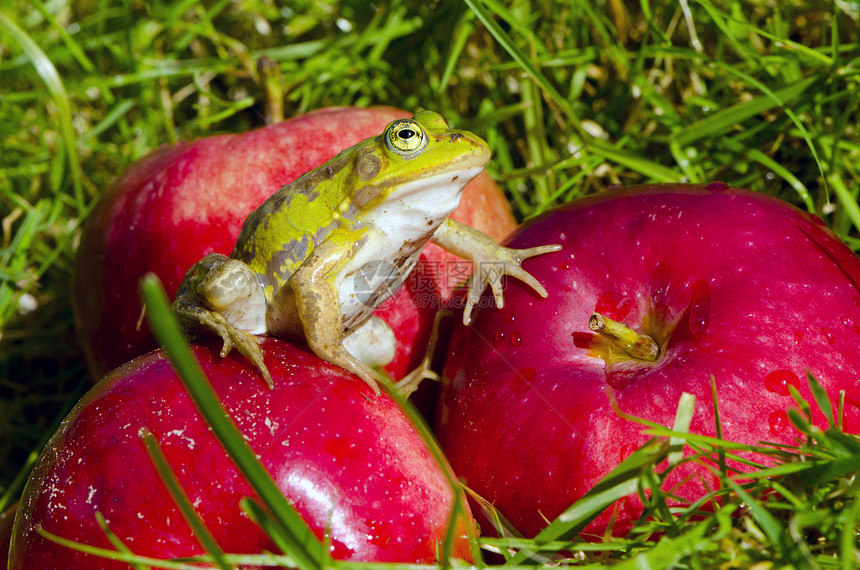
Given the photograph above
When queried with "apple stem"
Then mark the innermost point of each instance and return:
(638, 345)
(271, 83)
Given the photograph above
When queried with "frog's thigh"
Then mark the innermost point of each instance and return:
(230, 287)
(372, 342)
(318, 306)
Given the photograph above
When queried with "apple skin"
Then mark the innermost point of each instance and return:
(175, 205)
(734, 284)
(347, 459)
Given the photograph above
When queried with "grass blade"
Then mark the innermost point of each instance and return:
(46, 70)
(683, 419)
(848, 547)
(648, 168)
(133, 560)
(174, 487)
(821, 399)
(117, 543)
(669, 550)
(725, 119)
(510, 47)
(274, 530)
(771, 527)
(846, 200)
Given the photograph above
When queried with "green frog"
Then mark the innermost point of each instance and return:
(319, 255)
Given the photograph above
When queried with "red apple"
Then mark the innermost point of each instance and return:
(730, 284)
(171, 208)
(349, 461)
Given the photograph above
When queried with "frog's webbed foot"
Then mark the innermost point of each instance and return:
(193, 315)
(224, 296)
(493, 262)
(249, 345)
(424, 371)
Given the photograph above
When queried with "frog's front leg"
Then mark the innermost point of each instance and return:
(319, 308)
(225, 296)
(491, 261)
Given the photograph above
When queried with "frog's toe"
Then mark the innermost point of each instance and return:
(362, 372)
(227, 346)
(529, 280)
(372, 382)
(409, 383)
(539, 250)
(498, 294)
(471, 301)
(249, 345)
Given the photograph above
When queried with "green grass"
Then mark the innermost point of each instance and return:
(572, 97)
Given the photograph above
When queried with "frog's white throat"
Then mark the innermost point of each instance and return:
(415, 209)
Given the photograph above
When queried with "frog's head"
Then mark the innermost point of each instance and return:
(420, 162)
(426, 141)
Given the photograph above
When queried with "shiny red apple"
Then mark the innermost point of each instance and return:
(349, 461)
(728, 283)
(177, 204)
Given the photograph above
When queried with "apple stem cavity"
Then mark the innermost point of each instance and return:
(637, 345)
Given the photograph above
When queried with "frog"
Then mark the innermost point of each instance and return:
(318, 256)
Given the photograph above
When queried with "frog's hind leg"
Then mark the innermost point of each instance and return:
(224, 295)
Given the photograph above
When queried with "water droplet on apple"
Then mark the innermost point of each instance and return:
(798, 336)
(828, 334)
(510, 316)
(499, 337)
(779, 380)
(717, 187)
(846, 321)
(700, 309)
(778, 421)
(564, 265)
(523, 378)
(516, 339)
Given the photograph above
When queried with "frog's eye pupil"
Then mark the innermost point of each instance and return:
(406, 134)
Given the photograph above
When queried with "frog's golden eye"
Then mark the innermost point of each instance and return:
(405, 137)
